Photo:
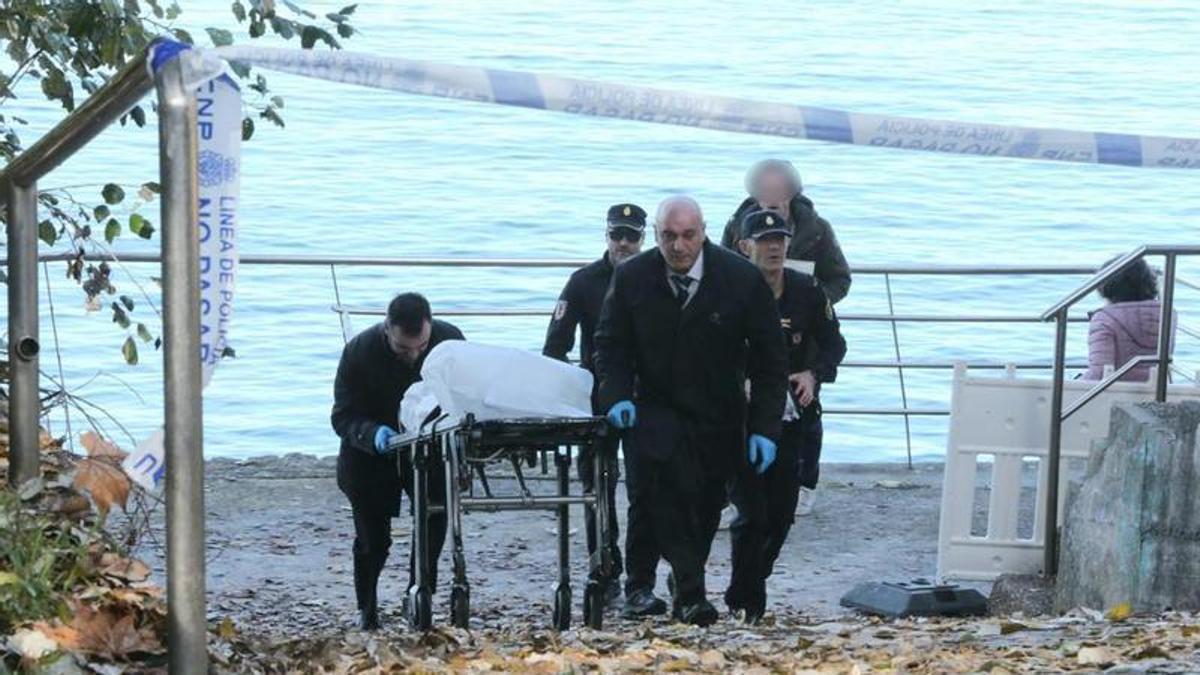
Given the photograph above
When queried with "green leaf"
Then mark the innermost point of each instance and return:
(112, 230)
(129, 351)
(239, 11)
(228, 353)
(127, 301)
(147, 231)
(136, 223)
(345, 30)
(286, 29)
(277, 101)
(348, 10)
(100, 212)
(271, 114)
(144, 333)
(119, 316)
(183, 36)
(335, 17)
(240, 69)
(47, 232)
(257, 28)
(298, 9)
(173, 12)
(152, 187)
(247, 128)
(219, 36)
(112, 193)
(309, 37)
(138, 115)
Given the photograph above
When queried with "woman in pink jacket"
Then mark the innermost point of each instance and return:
(1127, 326)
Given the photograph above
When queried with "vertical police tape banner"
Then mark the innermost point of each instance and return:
(218, 169)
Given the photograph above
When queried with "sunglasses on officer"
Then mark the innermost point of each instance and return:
(624, 233)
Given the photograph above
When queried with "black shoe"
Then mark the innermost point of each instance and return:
(612, 592)
(643, 603)
(368, 619)
(700, 613)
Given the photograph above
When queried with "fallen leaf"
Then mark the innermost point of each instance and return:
(1009, 627)
(226, 629)
(97, 446)
(7, 578)
(1150, 652)
(1095, 656)
(31, 644)
(106, 483)
(1119, 612)
(129, 569)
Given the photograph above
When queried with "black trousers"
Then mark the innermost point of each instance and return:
(674, 506)
(810, 449)
(766, 509)
(373, 536)
(587, 475)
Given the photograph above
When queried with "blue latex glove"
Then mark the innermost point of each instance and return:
(382, 435)
(761, 453)
(623, 415)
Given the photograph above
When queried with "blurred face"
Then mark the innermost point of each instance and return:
(774, 192)
(680, 234)
(768, 253)
(408, 348)
(623, 244)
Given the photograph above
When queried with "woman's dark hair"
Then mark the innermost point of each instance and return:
(1137, 282)
(409, 312)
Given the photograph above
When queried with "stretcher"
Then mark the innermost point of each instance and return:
(467, 447)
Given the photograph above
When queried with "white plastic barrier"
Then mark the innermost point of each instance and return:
(1007, 420)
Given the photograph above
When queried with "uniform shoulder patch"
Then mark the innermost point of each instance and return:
(560, 310)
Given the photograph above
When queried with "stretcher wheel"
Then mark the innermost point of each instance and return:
(593, 606)
(420, 610)
(562, 608)
(460, 606)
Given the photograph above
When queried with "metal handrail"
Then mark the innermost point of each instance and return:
(916, 318)
(435, 261)
(1162, 358)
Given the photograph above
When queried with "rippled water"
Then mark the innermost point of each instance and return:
(366, 172)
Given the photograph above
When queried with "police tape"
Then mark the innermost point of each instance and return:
(721, 113)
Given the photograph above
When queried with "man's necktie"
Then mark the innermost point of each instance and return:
(682, 284)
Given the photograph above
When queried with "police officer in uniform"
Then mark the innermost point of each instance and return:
(766, 503)
(579, 305)
(378, 365)
(681, 329)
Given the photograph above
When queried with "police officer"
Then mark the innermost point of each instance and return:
(378, 365)
(774, 184)
(680, 330)
(766, 503)
(579, 305)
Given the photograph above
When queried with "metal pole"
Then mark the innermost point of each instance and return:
(1050, 564)
(1164, 330)
(186, 621)
(887, 280)
(23, 346)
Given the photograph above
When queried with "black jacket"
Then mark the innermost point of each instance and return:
(812, 239)
(578, 305)
(686, 369)
(810, 327)
(367, 391)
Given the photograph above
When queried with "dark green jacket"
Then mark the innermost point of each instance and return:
(812, 240)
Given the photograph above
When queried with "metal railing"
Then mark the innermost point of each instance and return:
(186, 620)
(1162, 360)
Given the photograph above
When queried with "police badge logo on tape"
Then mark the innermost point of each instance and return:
(560, 310)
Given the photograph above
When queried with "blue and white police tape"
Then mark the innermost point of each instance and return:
(723, 113)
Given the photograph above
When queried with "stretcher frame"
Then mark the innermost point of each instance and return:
(465, 446)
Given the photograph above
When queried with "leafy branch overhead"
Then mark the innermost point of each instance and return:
(65, 50)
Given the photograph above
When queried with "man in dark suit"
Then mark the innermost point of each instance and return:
(378, 365)
(682, 328)
(579, 306)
